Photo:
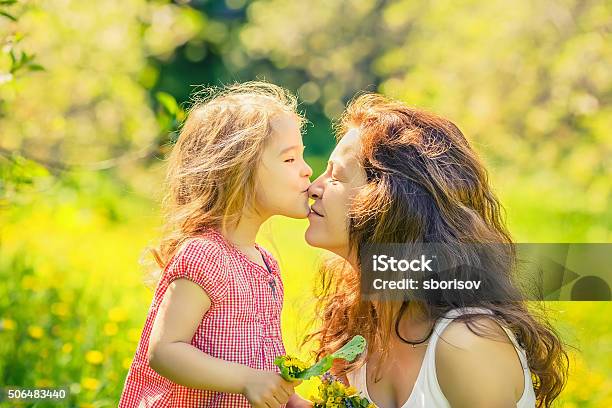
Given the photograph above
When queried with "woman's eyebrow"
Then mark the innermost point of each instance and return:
(335, 166)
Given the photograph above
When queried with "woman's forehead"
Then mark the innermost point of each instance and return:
(346, 153)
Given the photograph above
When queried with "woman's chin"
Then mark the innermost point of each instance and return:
(312, 236)
(308, 236)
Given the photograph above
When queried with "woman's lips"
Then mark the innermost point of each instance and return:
(313, 211)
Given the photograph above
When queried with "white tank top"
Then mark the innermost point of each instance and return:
(426, 392)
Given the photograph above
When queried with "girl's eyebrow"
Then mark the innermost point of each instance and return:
(288, 149)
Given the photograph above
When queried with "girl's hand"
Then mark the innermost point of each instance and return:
(295, 401)
(265, 389)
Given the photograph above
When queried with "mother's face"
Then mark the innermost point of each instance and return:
(332, 192)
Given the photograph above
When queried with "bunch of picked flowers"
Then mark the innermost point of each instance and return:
(332, 392)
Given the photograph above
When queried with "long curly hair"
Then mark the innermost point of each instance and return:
(425, 184)
(212, 167)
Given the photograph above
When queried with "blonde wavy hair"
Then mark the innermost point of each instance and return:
(212, 168)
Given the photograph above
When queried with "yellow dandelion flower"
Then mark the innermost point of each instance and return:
(316, 399)
(90, 383)
(94, 357)
(134, 335)
(60, 309)
(67, 296)
(44, 269)
(67, 348)
(7, 324)
(117, 314)
(28, 282)
(43, 382)
(110, 329)
(36, 332)
(127, 362)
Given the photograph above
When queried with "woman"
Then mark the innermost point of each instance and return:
(402, 175)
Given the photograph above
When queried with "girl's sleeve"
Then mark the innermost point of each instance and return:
(205, 264)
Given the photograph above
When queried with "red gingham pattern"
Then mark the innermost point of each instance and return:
(242, 324)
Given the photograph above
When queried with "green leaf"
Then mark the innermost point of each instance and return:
(36, 67)
(168, 102)
(320, 368)
(348, 352)
(278, 361)
(7, 15)
(351, 349)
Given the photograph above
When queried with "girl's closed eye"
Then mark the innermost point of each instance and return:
(290, 160)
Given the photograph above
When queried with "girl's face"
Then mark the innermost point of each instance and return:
(333, 192)
(283, 176)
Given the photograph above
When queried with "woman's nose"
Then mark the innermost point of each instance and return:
(316, 189)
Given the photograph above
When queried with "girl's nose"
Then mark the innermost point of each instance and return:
(307, 171)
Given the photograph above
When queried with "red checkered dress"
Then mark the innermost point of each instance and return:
(242, 324)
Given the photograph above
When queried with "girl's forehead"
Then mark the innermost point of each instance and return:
(285, 130)
(284, 119)
(285, 122)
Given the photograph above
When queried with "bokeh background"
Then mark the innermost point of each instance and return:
(92, 92)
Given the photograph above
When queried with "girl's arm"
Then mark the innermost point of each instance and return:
(172, 356)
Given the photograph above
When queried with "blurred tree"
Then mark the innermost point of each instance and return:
(216, 56)
(89, 109)
(15, 172)
(529, 83)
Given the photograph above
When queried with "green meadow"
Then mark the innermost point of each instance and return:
(73, 300)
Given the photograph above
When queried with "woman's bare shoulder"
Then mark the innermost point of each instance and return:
(478, 369)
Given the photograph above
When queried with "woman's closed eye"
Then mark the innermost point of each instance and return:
(290, 160)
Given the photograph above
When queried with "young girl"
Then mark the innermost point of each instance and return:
(213, 328)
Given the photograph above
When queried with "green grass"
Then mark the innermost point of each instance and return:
(73, 302)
